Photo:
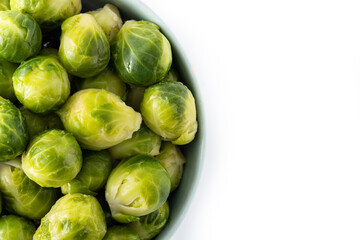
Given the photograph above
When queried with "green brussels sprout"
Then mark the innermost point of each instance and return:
(13, 131)
(4, 5)
(121, 233)
(16, 228)
(20, 36)
(151, 225)
(143, 141)
(74, 216)
(48, 13)
(137, 186)
(171, 76)
(109, 19)
(0, 203)
(52, 159)
(41, 84)
(21, 195)
(7, 70)
(39, 123)
(134, 97)
(84, 49)
(105, 80)
(141, 53)
(48, 51)
(93, 175)
(173, 160)
(168, 109)
(98, 119)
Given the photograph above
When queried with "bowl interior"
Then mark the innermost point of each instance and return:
(181, 198)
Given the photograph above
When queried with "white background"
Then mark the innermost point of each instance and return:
(280, 81)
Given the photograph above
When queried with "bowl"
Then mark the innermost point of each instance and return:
(181, 198)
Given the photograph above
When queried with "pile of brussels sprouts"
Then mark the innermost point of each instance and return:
(91, 113)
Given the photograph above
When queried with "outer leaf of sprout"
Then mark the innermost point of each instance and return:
(137, 186)
(21, 36)
(81, 34)
(168, 108)
(13, 131)
(14, 227)
(52, 158)
(99, 119)
(141, 53)
(74, 216)
(48, 13)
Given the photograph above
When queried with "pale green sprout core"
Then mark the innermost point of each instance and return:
(107, 80)
(16, 228)
(80, 36)
(109, 19)
(7, 70)
(23, 196)
(52, 158)
(136, 187)
(99, 119)
(20, 36)
(168, 109)
(13, 131)
(93, 175)
(151, 225)
(41, 84)
(121, 233)
(73, 217)
(141, 53)
(143, 141)
(173, 160)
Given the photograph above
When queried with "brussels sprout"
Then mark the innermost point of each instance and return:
(20, 36)
(171, 76)
(105, 80)
(74, 216)
(93, 175)
(173, 160)
(99, 119)
(13, 131)
(134, 97)
(168, 109)
(41, 84)
(0, 203)
(7, 70)
(52, 158)
(39, 123)
(109, 19)
(22, 196)
(151, 225)
(121, 233)
(142, 54)
(4, 5)
(48, 13)
(49, 52)
(84, 49)
(144, 141)
(16, 228)
(137, 186)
